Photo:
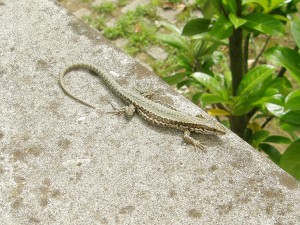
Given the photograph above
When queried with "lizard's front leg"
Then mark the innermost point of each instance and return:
(127, 110)
(188, 139)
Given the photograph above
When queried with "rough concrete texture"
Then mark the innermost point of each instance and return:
(64, 163)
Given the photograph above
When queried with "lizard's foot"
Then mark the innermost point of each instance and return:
(127, 110)
(200, 116)
(188, 139)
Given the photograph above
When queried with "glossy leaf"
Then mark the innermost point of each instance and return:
(275, 109)
(290, 159)
(271, 151)
(195, 26)
(295, 28)
(207, 99)
(222, 29)
(286, 57)
(252, 89)
(174, 41)
(236, 21)
(253, 80)
(263, 23)
(292, 101)
(278, 139)
(211, 83)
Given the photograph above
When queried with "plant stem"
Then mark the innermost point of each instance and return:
(267, 121)
(238, 124)
(246, 52)
(261, 52)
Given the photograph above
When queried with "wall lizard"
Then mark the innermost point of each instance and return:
(149, 110)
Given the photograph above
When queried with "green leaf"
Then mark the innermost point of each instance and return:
(195, 97)
(275, 109)
(209, 8)
(171, 27)
(267, 5)
(295, 28)
(232, 6)
(289, 128)
(263, 23)
(278, 139)
(292, 101)
(195, 26)
(184, 83)
(278, 3)
(174, 41)
(222, 29)
(174, 79)
(211, 83)
(263, 3)
(271, 151)
(292, 117)
(254, 79)
(286, 57)
(236, 21)
(290, 159)
(259, 137)
(207, 99)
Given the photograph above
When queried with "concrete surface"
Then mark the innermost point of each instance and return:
(63, 163)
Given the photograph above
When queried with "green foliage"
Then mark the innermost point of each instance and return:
(289, 160)
(105, 7)
(136, 26)
(263, 93)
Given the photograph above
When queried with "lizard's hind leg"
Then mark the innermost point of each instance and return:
(188, 139)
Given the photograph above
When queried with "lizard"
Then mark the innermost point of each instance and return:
(148, 109)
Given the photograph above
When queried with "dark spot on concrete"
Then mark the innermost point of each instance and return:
(56, 193)
(64, 143)
(1, 134)
(172, 193)
(46, 182)
(19, 155)
(270, 208)
(19, 179)
(288, 181)
(35, 151)
(273, 193)
(1, 169)
(241, 161)
(2, 4)
(194, 213)
(33, 220)
(44, 201)
(213, 168)
(12, 49)
(42, 64)
(225, 208)
(2, 71)
(127, 209)
(17, 203)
